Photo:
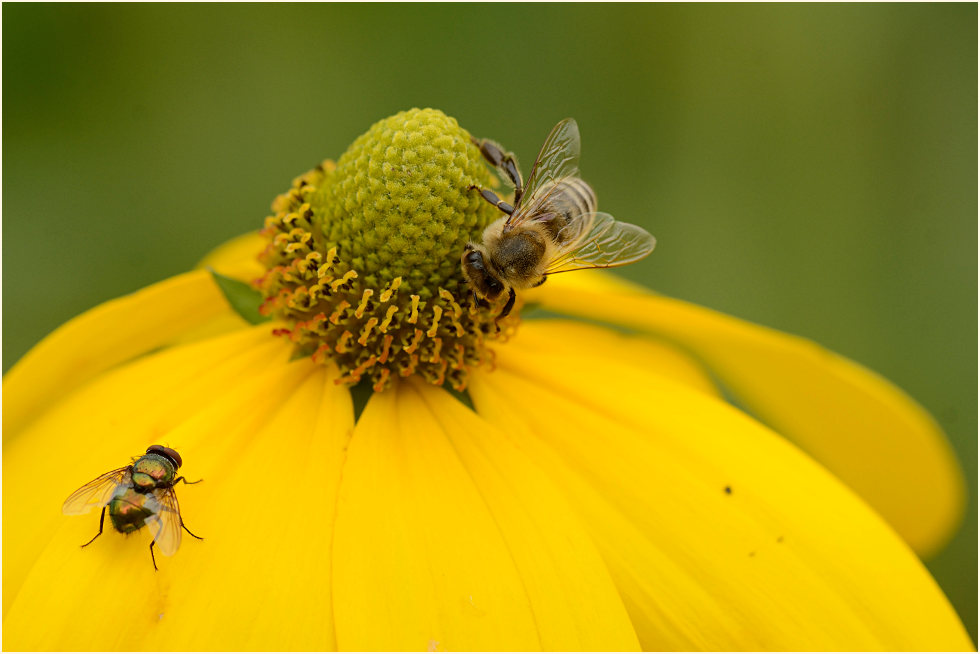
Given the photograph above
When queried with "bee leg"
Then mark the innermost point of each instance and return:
(503, 161)
(509, 305)
(185, 481)
(101, 522)
(492, 198)
(543, 279)
(184, 527)
(479, 301)
(153, 558)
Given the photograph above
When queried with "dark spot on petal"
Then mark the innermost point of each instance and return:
(751, 554)
(779, 540)
(728, 490)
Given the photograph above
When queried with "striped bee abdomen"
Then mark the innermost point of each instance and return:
(568, 199)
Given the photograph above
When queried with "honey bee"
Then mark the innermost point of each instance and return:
(552, 227)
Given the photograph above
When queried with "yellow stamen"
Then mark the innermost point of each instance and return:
(414, 316)
(359, 313)
(436, 314)
(367, 331)
(335, 316)
(388, 317)
(337, 283)
(343, 345)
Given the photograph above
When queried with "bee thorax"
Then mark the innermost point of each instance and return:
(519, 255)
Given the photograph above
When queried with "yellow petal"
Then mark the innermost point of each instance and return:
(864, 429)
(587, 344)
(266, 435)
(238, 258)
(447, 539)
(788, 559)
(101, 424)
(576, 606)
(270, 517)
(105, 336)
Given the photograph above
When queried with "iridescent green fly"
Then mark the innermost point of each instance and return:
(138, 495)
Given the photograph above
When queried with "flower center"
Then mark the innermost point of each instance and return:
(363, 259)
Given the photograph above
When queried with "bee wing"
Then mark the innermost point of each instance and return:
(557, 160)
(96, 493)
(165, 522)
(600, 241)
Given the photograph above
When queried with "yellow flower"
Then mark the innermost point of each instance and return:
(599, 494)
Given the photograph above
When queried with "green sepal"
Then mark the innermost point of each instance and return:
(244, 299)
(303, 351)
(360, 393)
(463, 397)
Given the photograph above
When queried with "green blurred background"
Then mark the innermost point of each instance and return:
(808, 167)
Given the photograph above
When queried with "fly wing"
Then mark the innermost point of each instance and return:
(557, 160)
(601, 241)
(165, 522)
(97, 493)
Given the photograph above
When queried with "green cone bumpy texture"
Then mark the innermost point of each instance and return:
(364, 256)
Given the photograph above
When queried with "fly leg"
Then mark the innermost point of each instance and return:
(153, 558)
(189, 531)
(178, 506)
(101, 522)
(492, 198)
(503, 161)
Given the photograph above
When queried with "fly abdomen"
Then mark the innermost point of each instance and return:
(129, 510)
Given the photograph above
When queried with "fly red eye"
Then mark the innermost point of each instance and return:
(167, 452)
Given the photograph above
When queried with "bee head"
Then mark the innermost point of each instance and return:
(478, 274)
